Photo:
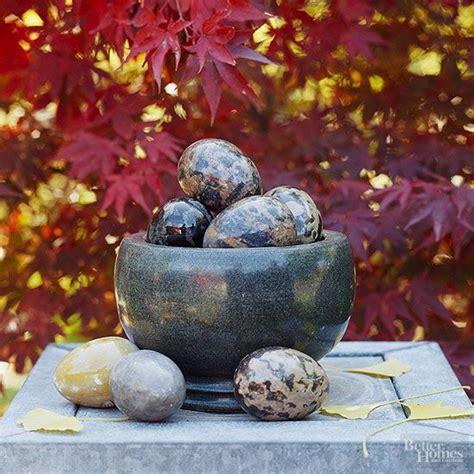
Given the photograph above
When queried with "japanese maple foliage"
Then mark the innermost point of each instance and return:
(366, 105)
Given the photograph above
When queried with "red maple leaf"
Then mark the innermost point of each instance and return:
(89, 153)
(424, 296)
(156, 40)
(112, 20)
(214, 72)
(160, 146)
(360, 40)
(122, 188)
(121, 111)
(397, 195)
(212, 76)
(243, 10)
(239, 50)
(13, 55)
(353, 10)
(212, 40)
(433, 211)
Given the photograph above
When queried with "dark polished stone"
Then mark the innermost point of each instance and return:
(217, 173)
(256, 221)
(208, 308)
(181, 222)
(308, 221)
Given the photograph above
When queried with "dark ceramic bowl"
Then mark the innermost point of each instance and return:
(206, 308)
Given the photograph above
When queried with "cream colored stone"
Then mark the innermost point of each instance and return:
(83, 375)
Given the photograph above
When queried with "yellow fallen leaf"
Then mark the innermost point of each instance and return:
(388, 368)
(361, 412)
(424, 411)
(432, 411)
(351, 412)
(365, 451)
(46, 420)
(425, 63)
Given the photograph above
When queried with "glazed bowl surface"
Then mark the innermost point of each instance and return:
(206, 308)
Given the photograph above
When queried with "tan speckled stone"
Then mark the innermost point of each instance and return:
(83, 375)
(276, 383)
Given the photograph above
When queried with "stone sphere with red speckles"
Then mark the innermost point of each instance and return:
(256, 221)
(217, 173)
(309, 224)
(276, 383)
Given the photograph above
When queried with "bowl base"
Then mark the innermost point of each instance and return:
(213, 395)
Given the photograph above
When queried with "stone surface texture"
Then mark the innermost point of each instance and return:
(83, 375)
(193, 442)
(280, 384)
(256, 221)
(147, 386)
(217, 173)
(181, 222)
(208, 308)
(308, 220)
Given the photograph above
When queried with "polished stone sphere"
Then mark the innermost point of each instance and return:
(278, 383)
(147, 386)
(309, 225)
(217, 173)
(181, 222)
(257, 221)
(83, 375)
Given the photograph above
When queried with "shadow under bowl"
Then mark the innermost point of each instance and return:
(207, 308)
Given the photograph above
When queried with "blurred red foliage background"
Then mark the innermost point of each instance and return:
(368, 105)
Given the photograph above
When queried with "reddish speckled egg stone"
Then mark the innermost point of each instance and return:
(309, 224)
(256, 221)
(277, 383)
(217, 173)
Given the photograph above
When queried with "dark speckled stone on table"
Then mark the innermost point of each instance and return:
(277, 383)
(180, 222)
(309, 225)
(256, 221)
(217, 173)
(206, 308)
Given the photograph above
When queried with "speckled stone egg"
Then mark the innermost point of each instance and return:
(181, 222)
(257, 221)
(276, 383)
(217, 173)
(309, 224)
(147, 386)
(83, 375)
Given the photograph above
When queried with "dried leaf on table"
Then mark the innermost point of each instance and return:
(422, 412)
(388, 368)
(361, 412)
(40, 419)
(432, 411)
(351, 412)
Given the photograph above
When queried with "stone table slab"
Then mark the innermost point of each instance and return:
(214, 443)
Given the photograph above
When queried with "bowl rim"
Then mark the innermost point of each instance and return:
(331, 238)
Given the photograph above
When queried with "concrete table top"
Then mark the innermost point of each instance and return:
(214, 443)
